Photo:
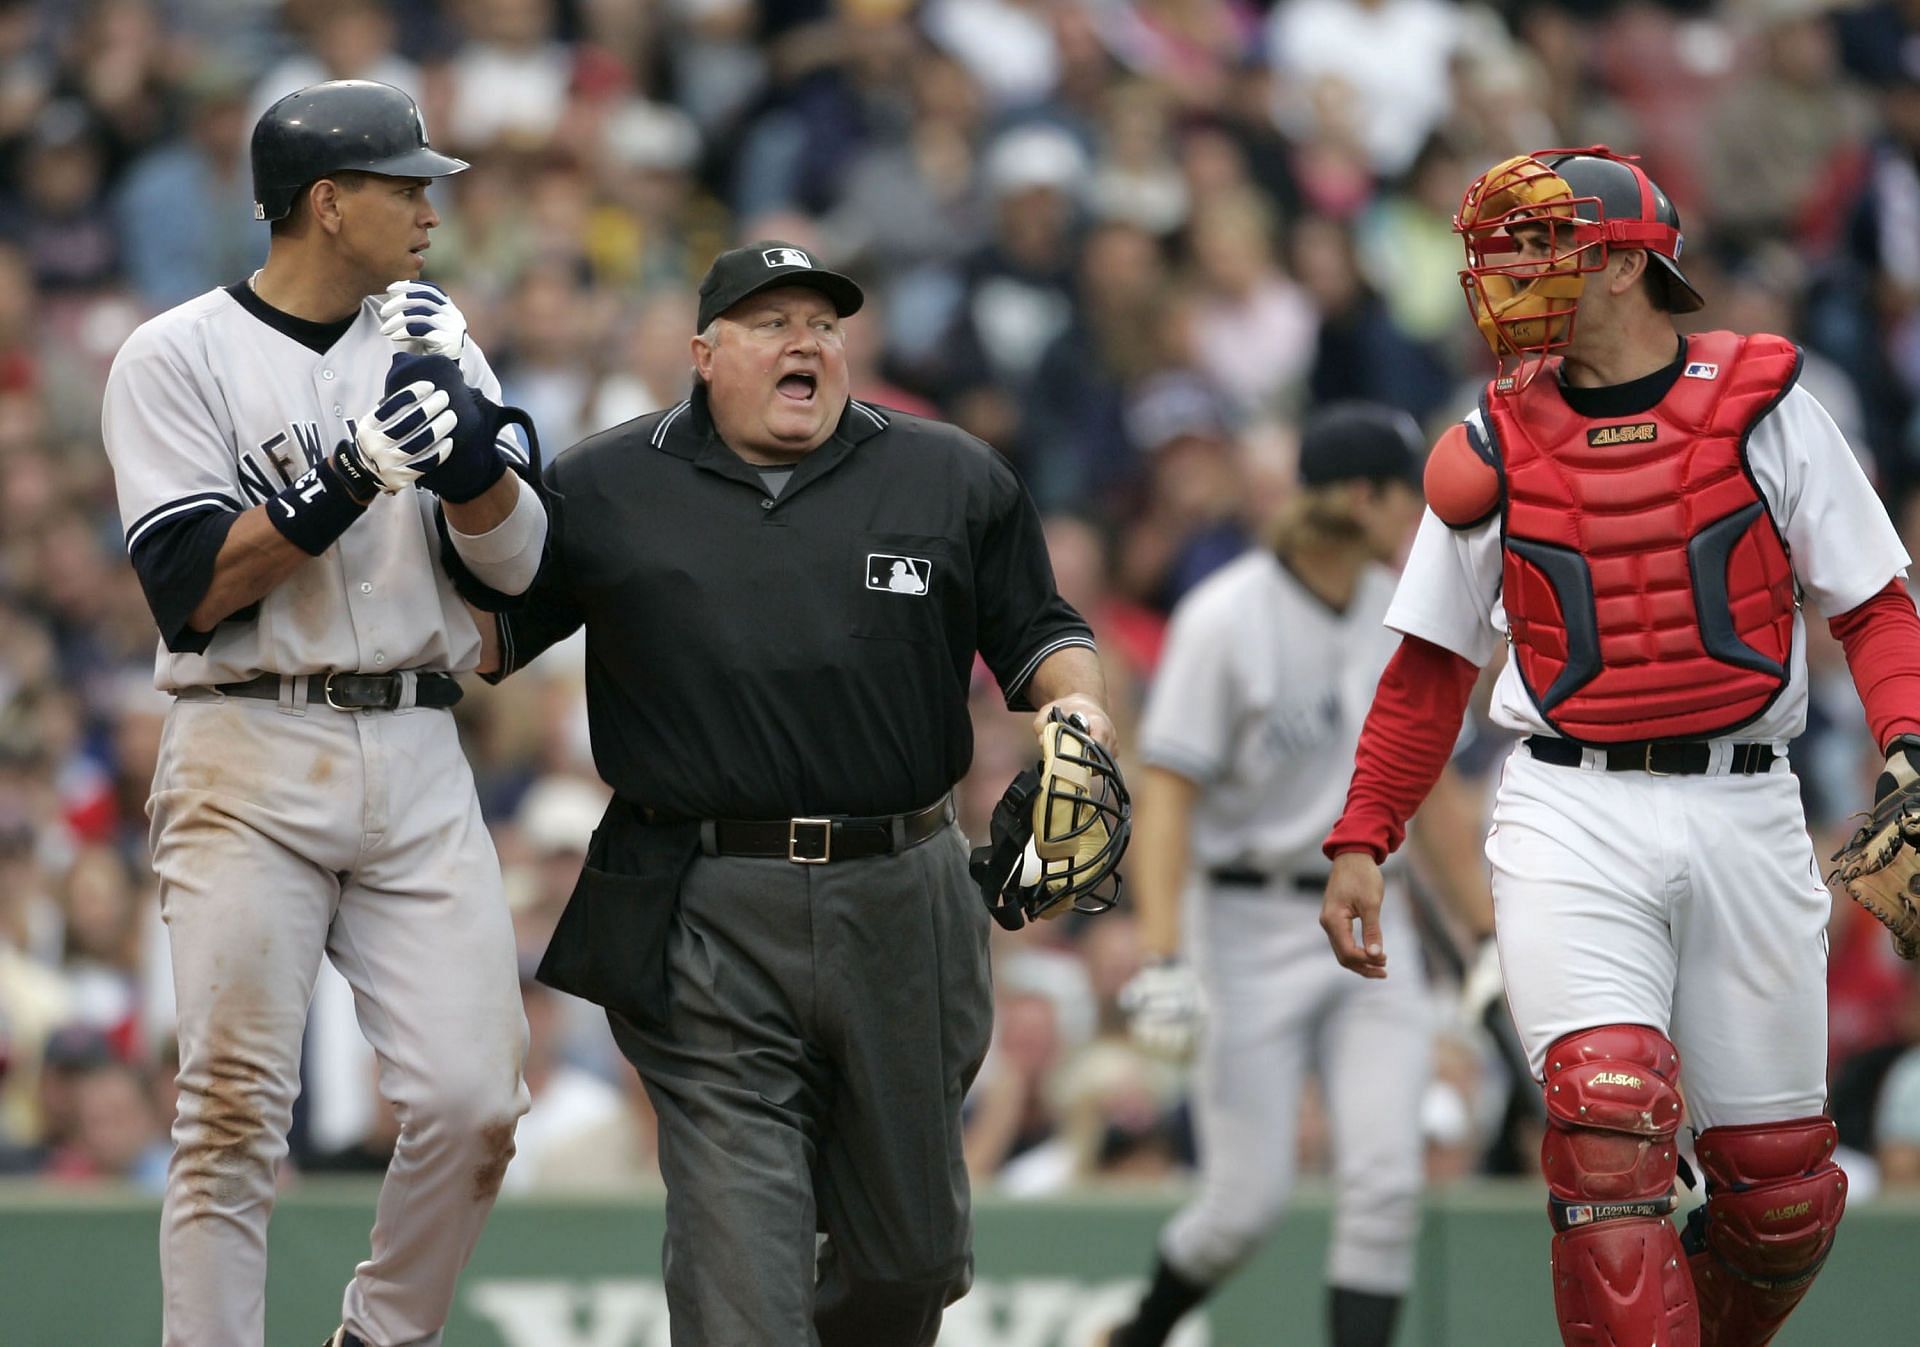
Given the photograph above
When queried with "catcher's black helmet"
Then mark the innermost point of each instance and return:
(1608, 189)
(336, 127)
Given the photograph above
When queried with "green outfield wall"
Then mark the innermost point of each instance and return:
(81, 1271)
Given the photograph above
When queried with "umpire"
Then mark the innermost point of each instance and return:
(783, 591)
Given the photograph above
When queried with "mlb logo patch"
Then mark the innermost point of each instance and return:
(897, 574)
(1577, 1216)
(1701, 369)
(786, 257)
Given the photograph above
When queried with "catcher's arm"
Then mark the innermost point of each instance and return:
(1880, 867)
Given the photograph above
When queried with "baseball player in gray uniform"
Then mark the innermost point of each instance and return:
(285, 511)
(1253, 717)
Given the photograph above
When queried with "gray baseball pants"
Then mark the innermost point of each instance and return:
(824, 1024)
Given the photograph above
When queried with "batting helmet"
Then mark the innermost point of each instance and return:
(337, 127)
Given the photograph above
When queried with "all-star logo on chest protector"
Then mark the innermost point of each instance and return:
(1647, 590)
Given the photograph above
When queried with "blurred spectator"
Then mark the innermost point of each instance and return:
(1076, 451)
(1785, 150)
(1374, 70)
(654, 226)
(510, 77)
(120, 62)
(185, 209)
(61, 220)
(342, 40)
(568, 1101)
(622, 1149)
(116, 1133)
(1192, 523)
(1016, 292)
(1254, 329)
(1361, 354)
(1009, 46)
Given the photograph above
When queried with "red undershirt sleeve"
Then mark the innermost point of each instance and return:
(1881, 638)
(1404, 746)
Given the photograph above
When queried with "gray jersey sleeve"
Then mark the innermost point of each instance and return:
(165, 434)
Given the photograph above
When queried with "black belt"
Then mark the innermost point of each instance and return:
(1681, 758)
(815, 841)
(354, 691)
(1252, 877)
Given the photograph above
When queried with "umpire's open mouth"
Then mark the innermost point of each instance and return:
(799, 387)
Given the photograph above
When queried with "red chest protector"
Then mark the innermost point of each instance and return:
(1647, 589)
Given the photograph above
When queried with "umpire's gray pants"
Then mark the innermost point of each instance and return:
(824, 1024)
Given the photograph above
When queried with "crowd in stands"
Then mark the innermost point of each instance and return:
(1128, 242)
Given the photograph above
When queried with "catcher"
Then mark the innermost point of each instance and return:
(1639, 515)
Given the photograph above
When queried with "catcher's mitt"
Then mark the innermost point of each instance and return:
(1880, 867)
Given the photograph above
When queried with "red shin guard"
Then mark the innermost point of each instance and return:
(1774, 1198)
(1619, 1273)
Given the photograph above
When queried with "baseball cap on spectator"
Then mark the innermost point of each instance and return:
(1365, 441)
(1175, 406)
(1036, 155)
(641, 136)
(76, 1047)
(62, 123)
(741, 272)
(559, 814)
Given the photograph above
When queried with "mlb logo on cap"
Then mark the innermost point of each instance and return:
(786, 257)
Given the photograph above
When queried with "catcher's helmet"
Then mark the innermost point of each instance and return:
(336, 127)
(1590, 201)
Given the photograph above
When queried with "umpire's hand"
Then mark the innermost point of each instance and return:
(1353, 894)
(1094, 717)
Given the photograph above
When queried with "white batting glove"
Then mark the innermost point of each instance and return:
(1482, 984)
(1163, 1009)
(406, 434)
(418, 317)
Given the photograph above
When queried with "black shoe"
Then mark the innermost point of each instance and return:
(342, 1338)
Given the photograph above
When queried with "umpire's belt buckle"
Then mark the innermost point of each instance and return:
(810, 841)
(1648, 761)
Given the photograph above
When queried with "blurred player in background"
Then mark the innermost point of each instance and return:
(1253, 717)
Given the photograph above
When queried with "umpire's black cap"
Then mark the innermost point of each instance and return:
(337, 127)
(1366, 441)
(759, 266)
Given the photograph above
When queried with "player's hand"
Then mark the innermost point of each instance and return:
(1353, 895)
(405, 436)
(1163, 1009)
(1093, 719)
(418, 317)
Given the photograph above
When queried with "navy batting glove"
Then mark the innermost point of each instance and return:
(475, 462)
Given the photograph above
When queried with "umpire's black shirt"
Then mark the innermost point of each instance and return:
(760, 656)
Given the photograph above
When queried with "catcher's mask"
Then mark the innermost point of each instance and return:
(1535, 225)
(1016, 882)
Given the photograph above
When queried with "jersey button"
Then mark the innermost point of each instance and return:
(379, 659)
(366, 587)
(336, 409)
(767, 504)
(327, 374)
